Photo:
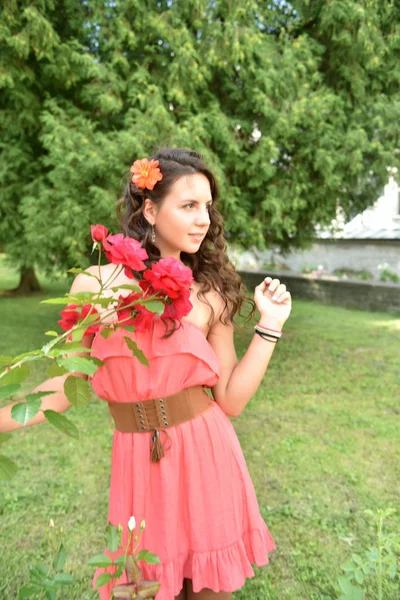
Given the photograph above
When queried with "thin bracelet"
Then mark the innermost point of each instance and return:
(271, 335)
(276, 330)
(268, 338)
(267, 331)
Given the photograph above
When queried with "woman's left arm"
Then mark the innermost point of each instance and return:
(239, 380)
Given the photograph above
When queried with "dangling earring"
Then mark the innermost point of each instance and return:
(153, 235)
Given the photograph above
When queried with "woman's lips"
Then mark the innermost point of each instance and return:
(196, 237)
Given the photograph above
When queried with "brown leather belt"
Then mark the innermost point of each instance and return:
(159, 414)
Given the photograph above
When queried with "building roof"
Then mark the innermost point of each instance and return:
(379, 222)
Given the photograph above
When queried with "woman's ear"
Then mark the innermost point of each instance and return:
(149, 211)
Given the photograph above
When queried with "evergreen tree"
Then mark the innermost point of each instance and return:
(295, 106)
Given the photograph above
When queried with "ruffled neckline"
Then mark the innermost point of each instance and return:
(115, 345)
(186, 321)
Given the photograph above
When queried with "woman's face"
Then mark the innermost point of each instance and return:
(184, 211)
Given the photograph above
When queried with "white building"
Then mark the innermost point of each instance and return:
(369, 242)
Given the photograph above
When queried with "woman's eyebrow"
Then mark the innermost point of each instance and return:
(196, 201)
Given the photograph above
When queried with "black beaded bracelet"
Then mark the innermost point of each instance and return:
(266, 336)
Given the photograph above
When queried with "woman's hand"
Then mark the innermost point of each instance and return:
(272, 300)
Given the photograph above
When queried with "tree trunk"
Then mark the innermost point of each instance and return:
(28, 282)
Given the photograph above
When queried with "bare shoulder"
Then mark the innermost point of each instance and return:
(87, 280)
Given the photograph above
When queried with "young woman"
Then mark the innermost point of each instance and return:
(196, 496)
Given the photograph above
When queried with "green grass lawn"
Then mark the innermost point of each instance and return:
(320, 436)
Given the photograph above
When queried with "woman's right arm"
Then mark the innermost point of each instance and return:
(57, 401)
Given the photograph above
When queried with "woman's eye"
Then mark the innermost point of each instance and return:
(191, 204)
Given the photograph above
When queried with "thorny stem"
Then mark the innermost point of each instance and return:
(140, 535)
(127, 546)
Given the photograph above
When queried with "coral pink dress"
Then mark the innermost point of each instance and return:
(198, 502)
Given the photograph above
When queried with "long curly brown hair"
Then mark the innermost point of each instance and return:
(210, 265)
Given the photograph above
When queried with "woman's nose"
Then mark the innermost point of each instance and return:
(203, 218)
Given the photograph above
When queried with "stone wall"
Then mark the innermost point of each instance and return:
(363, 254)
(351, 293)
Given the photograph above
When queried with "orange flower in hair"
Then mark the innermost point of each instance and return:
(146, 173)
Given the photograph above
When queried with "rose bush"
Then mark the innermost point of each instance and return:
(164, 291)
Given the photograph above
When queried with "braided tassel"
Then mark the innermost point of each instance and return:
(156, 447)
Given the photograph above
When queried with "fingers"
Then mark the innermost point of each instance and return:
(275, 286)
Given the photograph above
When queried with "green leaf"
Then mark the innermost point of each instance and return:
(83, 297)
(55, 370)
(49, 345)
(64, 579)
(155, 306)
(56, 301)
(120, 561)
(8, 391)
(24, 411)
(61, 423)
(52, 333)
(16, 375)
(359, 576)
(118, 572)
(50, 585)
(100, 560)
(78, 364)
(77, 390)
(133, 572)
(77, 270)
(352, 592)
(68, 348)
(61, 557)
(128, 286)
(27, 592)
(97, 361)
(8, 468)
(148, 557)
(77, 335)
(111, 536)
(106, 332)
(124, 591)
(372, 554)
(103, 579)
(90, 319)
(39, 571)
(136, 351)
(37, 395)
(28, 357)
(349, 565)
(357, 558)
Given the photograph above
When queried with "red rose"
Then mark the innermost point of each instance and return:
(99, 233)
(125, 251)
(180, 306)
(147, 287)
(144, 317)
(70, 317)
(170, 276)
